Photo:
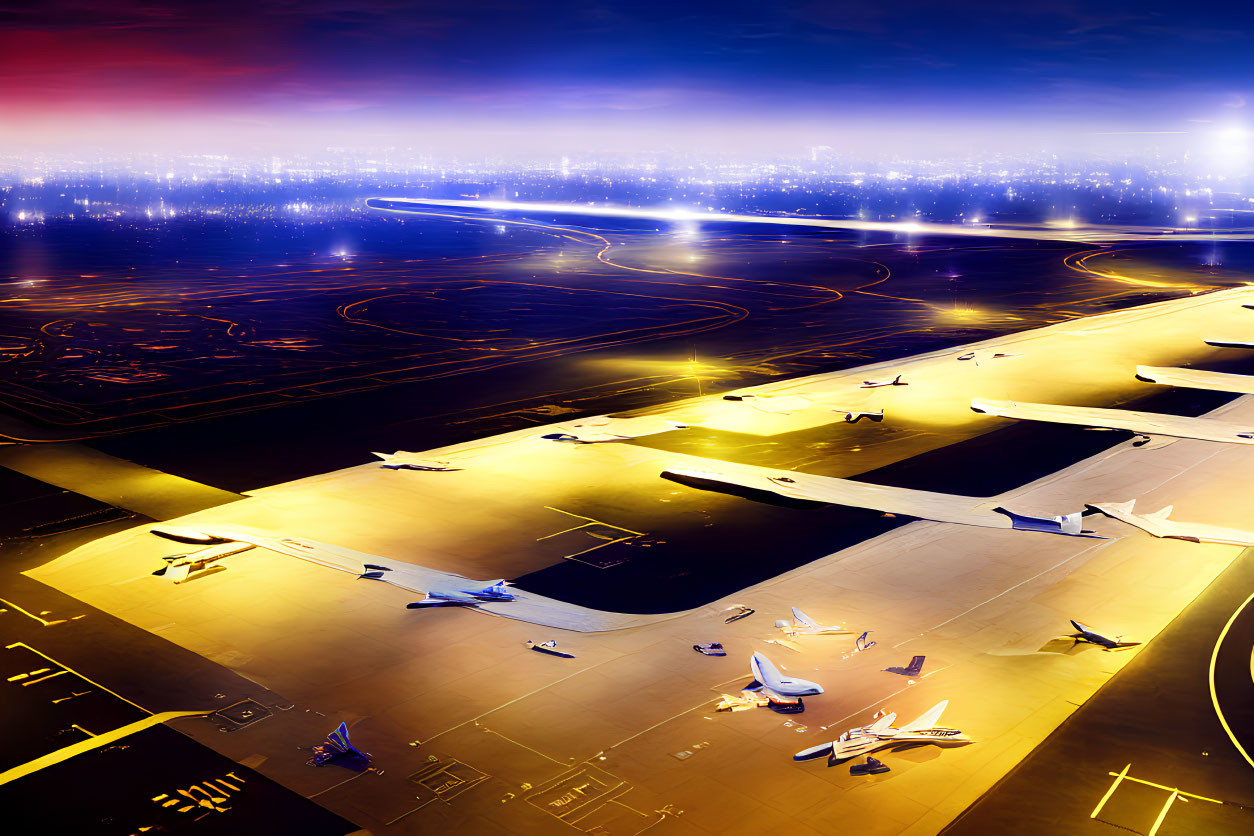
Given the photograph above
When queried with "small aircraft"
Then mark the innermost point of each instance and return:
(804, 625)
(549, 647)
(881, 735)
(913, 669)
(1159, 525)
(400, 460)
(185, 567)
(999, 355)
(875, 384)
(863, 643)
(1087, 635)
(337, 746)
(739, 611)
(782, 692)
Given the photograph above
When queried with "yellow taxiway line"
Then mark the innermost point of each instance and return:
(67, 752)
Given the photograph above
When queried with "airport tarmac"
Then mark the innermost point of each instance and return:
(1148, 753)
(623, 737)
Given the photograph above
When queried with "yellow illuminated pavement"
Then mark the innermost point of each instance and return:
(631, 717)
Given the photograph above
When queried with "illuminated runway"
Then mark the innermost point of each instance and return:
(1044, 232)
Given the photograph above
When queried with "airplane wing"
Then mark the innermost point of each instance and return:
(882, 723)
(928, 720)
(802, 619)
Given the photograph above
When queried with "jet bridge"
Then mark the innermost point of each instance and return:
(1241, 384)
(1143, 423)
(927, 505)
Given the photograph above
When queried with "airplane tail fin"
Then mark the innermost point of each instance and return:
(928, 720)
(802, 619)
(339, 738)
(1078, 626)
(1162, 513)
(764, 672)
(916, 666)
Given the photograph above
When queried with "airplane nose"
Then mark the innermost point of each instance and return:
(818, 689)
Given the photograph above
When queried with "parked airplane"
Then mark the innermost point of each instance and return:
(875, 384)
(337, 746)
(1159, 525)
(778, 688)
(804, 625)
(549, 647)
(400, 460)
(182, 567)
(451, 596)
(1087, 635)
(913, 669)
(881, 735)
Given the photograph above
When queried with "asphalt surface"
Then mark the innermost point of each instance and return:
(69, 672)
(1157, 718)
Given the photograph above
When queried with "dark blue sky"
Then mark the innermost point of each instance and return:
(1107, 66)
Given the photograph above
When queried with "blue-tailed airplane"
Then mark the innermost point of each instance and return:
(779, 689)
(337, 746)
(913, 669)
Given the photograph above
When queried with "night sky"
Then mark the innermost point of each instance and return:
(356, 68)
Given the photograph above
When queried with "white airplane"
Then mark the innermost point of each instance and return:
(779, 689)
(462, 595)
(804, 625)
(400, 460)
(184, 567)
(881, 735)
(875, 384)
(1159, 525)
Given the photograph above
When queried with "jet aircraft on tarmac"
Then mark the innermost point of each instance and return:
(881, 735)
(875, 384)
(452, 596)
(804, 625)
(779, 689)
(1087, 635)
(400, 460)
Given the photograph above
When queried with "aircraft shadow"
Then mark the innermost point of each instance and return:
(765, 497)
(1067, 646)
